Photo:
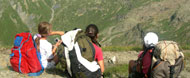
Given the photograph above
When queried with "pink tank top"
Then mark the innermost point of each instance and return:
(98, 53)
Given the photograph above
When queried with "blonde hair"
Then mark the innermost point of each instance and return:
(44, 29)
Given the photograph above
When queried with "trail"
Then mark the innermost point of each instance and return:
(52, 10)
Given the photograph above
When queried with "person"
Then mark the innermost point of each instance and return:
(92, 32)
(46, 49)
(143, 63)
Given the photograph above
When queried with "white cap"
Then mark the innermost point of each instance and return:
(150, 39)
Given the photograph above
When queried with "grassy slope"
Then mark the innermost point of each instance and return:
(165, 18)
(121, 15)
(8, 28)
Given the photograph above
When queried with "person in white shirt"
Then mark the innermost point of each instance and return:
(47, 50)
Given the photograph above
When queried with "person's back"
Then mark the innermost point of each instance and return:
(92, 32)
(98, 53)
(141, 67)
(146, 61)
(46, 52)
(79, 54)
(46, 49)
(168, 60)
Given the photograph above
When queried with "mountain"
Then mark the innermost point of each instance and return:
(168, 18)
(121, 22)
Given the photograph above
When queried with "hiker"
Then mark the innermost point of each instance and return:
(167, 61)
(46, 49)
(140, 68)
(92, 32)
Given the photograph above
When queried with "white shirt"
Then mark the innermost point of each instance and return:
(46, 52)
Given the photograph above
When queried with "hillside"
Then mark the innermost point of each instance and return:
(118, 21)
(168, 18)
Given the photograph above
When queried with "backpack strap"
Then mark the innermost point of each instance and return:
(141, 57)
(143, 54)
(156, 64)
(93, 49)
(20, 55)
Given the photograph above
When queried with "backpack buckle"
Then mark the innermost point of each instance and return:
(12, 54)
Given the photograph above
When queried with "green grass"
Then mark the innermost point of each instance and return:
(185, 47)
(117, 70)
(8, 28)
(66, 19)
(187, 55)
(120, 70)
(121, 48)
(104, 14)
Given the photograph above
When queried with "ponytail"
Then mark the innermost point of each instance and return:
(37, 40)
(44, 29)
(95, 42)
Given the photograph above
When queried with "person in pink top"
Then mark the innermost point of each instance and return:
(98, 54)
(92, 32)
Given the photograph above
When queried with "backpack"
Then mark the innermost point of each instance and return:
(167, 60)
(136, 66)
(79, 55)
(24, 57)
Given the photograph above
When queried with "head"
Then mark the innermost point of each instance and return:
(44, 29)
(92, 32)
(150, 39)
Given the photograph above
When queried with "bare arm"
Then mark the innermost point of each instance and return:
(101, 63)
(57, 33)
(55, 46)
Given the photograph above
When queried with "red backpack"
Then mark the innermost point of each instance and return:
(25, 58)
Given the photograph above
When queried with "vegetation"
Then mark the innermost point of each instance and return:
(117, 71)
(121, 48)
(187, 55)
(121, 17)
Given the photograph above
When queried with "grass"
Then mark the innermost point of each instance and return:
(185, 47)
(8, 28)
(66, 20)
(187, 61)
(187, 55)
(118, 71)
(106, 13)
(121, 48)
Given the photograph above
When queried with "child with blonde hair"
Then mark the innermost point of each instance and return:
(47, 50)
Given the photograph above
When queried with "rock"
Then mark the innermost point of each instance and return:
(112, 60)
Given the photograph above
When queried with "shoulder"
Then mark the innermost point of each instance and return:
(140, 53)
(95, 46)
(45, 43)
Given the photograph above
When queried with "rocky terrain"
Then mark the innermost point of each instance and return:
(121, 58)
